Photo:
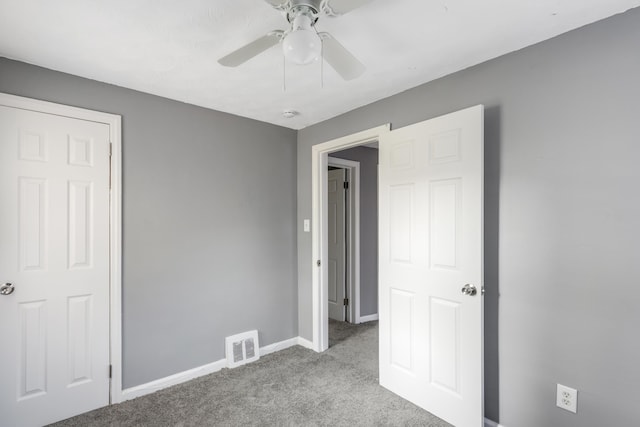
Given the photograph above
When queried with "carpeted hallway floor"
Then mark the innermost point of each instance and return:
(293, 387)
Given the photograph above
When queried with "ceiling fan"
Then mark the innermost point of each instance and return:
(302, 43)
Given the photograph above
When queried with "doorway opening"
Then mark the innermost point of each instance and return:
(343, 214)
(320, 163)
(431, 262)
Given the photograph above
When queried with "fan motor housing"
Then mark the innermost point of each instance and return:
(306, 7)
(314, 4)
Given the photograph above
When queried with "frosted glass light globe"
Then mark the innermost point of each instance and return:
(302, 46)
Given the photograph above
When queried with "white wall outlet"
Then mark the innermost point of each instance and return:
(567, 398)
(306, 225)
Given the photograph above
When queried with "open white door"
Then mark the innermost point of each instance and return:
(54, 250)
(431, 247)
(337, 244)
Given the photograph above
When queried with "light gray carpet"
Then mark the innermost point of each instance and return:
(293, 387)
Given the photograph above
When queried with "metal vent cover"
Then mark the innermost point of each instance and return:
(242, 348)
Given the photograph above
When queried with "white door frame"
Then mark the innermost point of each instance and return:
(353, 237)
(115, 218)
(319, 253)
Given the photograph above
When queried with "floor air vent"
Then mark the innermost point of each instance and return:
(242, 348)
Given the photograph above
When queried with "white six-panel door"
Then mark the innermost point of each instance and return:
(431, 246)
(54, 249)
(337, 243)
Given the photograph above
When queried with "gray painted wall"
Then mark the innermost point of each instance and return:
(562, 219)
(208, 218)
(368, 158)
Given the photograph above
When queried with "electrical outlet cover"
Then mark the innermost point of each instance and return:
(567, 398)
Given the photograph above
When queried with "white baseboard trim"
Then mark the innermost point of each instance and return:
(368, 318)
(181, 377)
(489, 423)
(272, 348)
(171, 380)
(305, 343)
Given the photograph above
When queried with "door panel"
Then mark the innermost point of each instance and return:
(431, 185)
(32, 364)
(32, 193)
(337, 244)
(400, 211)
(401, 328)
(54, 248)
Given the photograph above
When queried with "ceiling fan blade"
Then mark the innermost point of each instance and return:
(256, 47)
(277, 4)
(340, 7)
(340, 58)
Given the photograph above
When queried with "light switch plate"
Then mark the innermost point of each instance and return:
(307, 225)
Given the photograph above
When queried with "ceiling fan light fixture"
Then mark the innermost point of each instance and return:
(302, 45)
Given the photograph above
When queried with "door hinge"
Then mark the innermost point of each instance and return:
(345, 301)
(318, 263)
(110, 149)
(110, 371)
(345, 185)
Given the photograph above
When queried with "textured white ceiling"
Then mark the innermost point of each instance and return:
(170, 48)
